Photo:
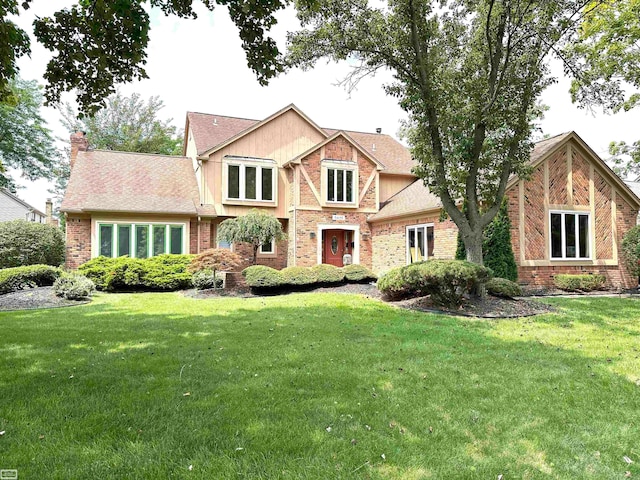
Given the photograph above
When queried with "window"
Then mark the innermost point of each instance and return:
(268, 248)
(225, 245)
(139, 240)
(419, 243)
(570, 235)
(340, 185)
(251, 181)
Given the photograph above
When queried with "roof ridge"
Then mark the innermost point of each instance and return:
(552, 137)
(225, 116)
(134, 153)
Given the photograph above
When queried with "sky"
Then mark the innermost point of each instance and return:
(199, 65)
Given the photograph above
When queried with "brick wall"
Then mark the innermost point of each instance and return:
(390, 241)
(78, 241)
(306, 254)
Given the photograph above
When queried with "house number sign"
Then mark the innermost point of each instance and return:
(335, 217)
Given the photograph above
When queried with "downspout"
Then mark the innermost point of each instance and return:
(198, 251)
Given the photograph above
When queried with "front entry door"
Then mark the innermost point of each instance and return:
(334, 247)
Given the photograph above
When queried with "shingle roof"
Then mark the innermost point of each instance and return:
(412, 199)
(208, 134)
(391, 153)
(111, 181)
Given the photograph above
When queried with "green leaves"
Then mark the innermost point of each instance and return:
(26, 143)
(255, 228)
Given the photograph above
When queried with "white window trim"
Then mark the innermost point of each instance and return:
(95, 245)
(272, 253)
(564, 257)
(342, 226)
(426, 239)
(344, 165)
(243, 163)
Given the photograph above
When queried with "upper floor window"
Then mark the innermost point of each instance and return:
(419, 242)
(250, 179)
(339, 185)
(570, 235)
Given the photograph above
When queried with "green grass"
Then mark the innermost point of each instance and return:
(317, 386)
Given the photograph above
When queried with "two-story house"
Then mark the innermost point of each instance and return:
(340, 196)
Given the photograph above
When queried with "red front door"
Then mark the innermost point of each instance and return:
(334, 247)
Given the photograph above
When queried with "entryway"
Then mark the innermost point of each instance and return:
(336, 244)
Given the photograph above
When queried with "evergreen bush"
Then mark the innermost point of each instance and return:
(260, 276)
(204, 279)
(630, 248)
(328, 274)
(358, 274)
(298, 276)
(18, 278)
(580, 283)
(73, 286)
(501, 287)
(29, 243)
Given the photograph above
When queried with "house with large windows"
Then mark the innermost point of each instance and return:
(342, 196)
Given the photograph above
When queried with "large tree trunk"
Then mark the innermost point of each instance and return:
(473, 247)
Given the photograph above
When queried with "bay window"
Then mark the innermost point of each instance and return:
(250, 179)
(139, 240)
(569, 235)
(419, 242)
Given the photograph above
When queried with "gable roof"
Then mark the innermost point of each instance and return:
(210, 136)
(417, 198)
(344, 135)
(112, 181)
(18, 200)
(257, 125)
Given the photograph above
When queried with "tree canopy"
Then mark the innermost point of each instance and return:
(98, 44)
(128, 124)
(604, 61)
(26, 144)
(469, 75)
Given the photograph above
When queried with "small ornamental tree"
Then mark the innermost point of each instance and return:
(631, 250)
(215, 260)
(255, 228)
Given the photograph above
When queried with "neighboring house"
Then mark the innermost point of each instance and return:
(635, 188)
(13, 208)
(340, 195)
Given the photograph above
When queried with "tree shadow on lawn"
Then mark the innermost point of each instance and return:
(310, 386)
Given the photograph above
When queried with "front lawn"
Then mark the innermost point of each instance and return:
(317, 386)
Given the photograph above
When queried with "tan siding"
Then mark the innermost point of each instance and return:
(392, 184)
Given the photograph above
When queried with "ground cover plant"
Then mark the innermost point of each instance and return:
(317, 386)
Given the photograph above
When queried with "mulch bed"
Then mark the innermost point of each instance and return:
(490, 307)
(34, 298)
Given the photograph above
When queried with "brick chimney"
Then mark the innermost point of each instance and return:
(48, 210)
(78, 144)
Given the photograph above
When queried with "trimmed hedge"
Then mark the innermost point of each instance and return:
(18, 278)
(358, 273)
(446, 281)
(73, 286)
(579, 283)
(259, 276)
(501, 287)
(160, 273)
(262, 277)
(298, 276)
(328, 274)
(28, 243)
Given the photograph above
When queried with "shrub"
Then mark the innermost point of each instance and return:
(579, 283)
(298, 276)
(501, 287)
(215, 260)
(392, 284)
(29, 243)
(446, 281)
(17, 278)
(163, 272)
(259, 276)
(631, 250)
(327, 273)
(73, 286)
(358, 273)
(204, 279)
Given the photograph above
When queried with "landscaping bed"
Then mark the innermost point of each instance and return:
(34, 298)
